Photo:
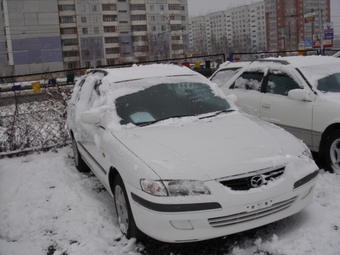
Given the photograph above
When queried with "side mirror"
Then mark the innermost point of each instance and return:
(92, 118)
(300, 95)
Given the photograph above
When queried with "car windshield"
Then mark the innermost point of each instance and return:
(166, 101)
(325, 77)
(223, 76)
(330, 83)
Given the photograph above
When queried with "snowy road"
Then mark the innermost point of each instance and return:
(48, 208)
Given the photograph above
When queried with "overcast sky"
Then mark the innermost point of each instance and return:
(202, 7)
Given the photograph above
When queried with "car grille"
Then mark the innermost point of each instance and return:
(244, 181)
(248, 216)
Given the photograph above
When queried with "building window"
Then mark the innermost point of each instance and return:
(108, 7)
(66, 7)
(152, 7)
(174, 7)
(83, 19)
(110, 61)
(68, 31)
(112, 50)
(137, 7)
(69, 42)
(96, 30)
(109, 40)
(67, 19)
(139, 28)
(138, 17)
(94, 8)
(84, 29)
(161, 7)
(110, 29)
(72, 53)
(83, 8)
(109, 18)
(72, 65)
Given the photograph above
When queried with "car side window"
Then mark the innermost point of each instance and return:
(249, 81)
(281, 84)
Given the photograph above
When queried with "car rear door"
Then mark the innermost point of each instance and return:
(295, 116)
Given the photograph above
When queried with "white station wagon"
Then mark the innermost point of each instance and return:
(182, 163)
(299, 94)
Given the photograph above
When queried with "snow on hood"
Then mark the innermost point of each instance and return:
(210, 148)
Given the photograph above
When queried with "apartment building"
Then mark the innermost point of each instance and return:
(48, 35)
(288, 23)
(240, 29)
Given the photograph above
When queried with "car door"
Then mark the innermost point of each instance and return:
(90, 136)
(295, 116)
(247, 88)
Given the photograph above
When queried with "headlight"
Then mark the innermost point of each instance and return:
(174, 188)
(306, 153)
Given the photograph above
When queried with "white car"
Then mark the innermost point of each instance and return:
(299, 94)
(182, 163)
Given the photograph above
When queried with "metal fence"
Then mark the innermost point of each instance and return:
(33, 112)
(33, 108)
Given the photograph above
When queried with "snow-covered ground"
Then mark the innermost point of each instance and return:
(48, 208)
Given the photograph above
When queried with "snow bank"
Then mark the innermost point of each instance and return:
(47, 207)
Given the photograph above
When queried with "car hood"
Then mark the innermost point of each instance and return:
(210, 148)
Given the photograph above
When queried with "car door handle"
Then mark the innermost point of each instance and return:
(266, 106)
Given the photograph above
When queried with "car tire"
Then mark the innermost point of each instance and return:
(332, 152)
(124, 214)
(78, 161)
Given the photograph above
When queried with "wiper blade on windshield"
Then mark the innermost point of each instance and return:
(146, 123)
(216, 113)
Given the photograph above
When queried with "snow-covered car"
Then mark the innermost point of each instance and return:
(300, 94)
(182, 163)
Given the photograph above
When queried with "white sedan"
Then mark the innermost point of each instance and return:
(299, 94)
(182, 163)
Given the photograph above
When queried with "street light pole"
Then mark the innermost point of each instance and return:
(320, 29)
(169, 32)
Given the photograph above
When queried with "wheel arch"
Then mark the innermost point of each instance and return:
(112, 175)
(330, 129)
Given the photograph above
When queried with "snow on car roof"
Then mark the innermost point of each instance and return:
(148, 71)
(303, 61)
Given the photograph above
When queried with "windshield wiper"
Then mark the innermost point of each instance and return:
(216, 113)
(146, 123)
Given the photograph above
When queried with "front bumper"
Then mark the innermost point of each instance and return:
(189, 219)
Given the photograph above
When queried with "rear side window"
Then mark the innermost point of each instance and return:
(249, 81)
(280, 84)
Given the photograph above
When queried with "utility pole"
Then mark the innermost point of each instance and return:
(320, 29)
(169, 18)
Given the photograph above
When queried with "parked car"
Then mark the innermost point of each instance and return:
(182, 163)
(299, 94)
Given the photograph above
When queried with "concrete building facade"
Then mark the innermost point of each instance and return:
(239, 29)
(288, 22)
(49, 35)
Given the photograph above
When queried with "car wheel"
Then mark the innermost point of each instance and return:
(332, 152)
(125, 218)
(78, 161)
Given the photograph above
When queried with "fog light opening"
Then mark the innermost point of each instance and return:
(182, 224)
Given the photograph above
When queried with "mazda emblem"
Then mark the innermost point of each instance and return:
(257, 181)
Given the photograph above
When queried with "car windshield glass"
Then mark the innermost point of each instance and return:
(166, 101)
(330, 83)
(222, 76)
(324, 77)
